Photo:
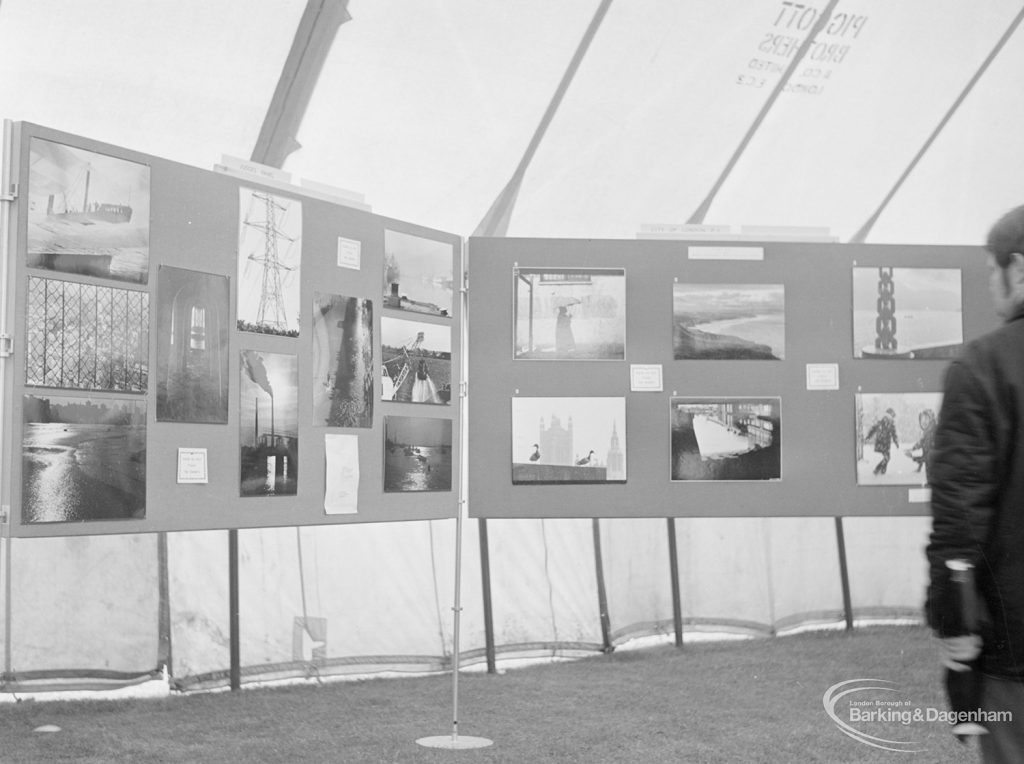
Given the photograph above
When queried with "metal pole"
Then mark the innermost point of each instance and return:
(236, 663)
(602, 595)
(485, 576)
(844, 574)
(673, 566)
(6, 204)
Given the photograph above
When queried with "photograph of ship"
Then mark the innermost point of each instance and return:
(569, 314)
(342, 361)
(907, 313)
(85, 336)
(268, 416)
(417, 274)
(82, 459)
(417, 361)
(568, 440)
(728, 322)
(417, 454)
(88, 213)
(269, 256)
(895, 434)
(726, 438)
(191, 346)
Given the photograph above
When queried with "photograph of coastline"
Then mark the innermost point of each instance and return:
(418, 274)
(568, 440)
(86, 337)
(269, 259)
(191, 346)
(417, 454)
(895, 435)
(569, 314)
(417, 360)
(88, 213)
(728, 322)
(907, 313)
(82, 459)
(342, 361)
(268, 416)
(726, 438)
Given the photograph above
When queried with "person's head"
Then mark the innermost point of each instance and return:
(1005, 246)
(890, 413)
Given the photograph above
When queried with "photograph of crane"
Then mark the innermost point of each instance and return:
(417, 361)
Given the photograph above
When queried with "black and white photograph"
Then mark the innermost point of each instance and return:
(726, 438)
(417, 361)
(907, 313)
(192, 328)
(728, 322)
(88, 213)
(568, 440)
(418, 274)
(82, 459)
(268, 416)
(566, 314)
(269, 260)
(417, 454)
(895, 435)
(343, 364)
(86, 336)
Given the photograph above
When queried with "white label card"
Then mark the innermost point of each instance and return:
(192, 466)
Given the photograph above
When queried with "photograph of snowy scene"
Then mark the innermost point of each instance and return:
(88, 213)
(192, 346)
(895, 433)
(568, 440)
(569, 314)
(268, 418)
(728, 321)
(417, 274)
(417, 454)
(342, 361)
(907, 313)
(417, 359)
(83, 459)
(269, 256)
(726, 438)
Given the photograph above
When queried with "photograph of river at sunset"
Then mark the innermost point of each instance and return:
(83, 459)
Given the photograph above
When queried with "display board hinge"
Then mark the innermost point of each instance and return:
(5, 513)
(463, 389)
(6, 345)
(12, 193)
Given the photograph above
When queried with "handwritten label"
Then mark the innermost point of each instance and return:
(192, 465)
(645, 378)
(822, 376)
(349, 253)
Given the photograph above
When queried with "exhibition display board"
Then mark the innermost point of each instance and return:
(659, 378)
(198, 350)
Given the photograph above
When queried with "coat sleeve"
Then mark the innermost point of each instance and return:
(964, 477)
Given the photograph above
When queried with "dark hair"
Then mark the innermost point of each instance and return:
(1007, 236)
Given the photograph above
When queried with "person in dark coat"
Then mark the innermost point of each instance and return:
(976, 474)
(884, 433)
(921, 451)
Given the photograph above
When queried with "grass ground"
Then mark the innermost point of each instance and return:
(748, 701)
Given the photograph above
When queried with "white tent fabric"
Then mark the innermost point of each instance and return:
(428, 109)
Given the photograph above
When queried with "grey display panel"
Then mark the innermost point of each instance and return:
(194, 226)
(817, 426)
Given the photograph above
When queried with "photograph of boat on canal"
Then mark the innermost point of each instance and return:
(82, 459)
(417, 454)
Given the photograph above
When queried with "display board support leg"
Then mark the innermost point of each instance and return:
(602, 594)
(164, 615)
(673, 566)
(485, 582)
(236, 662)
(5, 544)
(454, 741)
(844, 574)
